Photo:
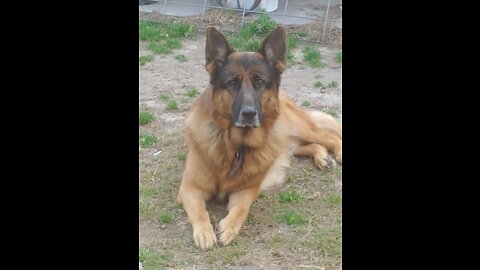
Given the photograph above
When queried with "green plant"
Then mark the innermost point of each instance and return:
(306, 103)
(289, 196)
(333, 84)
(318, 84)
(338, 57)
(293, 218)
(145, 118)
(193, 92)
(181, 157)
(145, 59)
(181, 58)
(164, 97)
(165, 218)
(172, 105)
(312, 56)
(147, 140)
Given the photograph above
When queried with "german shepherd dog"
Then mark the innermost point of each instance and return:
(241, 133)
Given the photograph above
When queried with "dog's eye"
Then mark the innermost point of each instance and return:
(232, 83)
(259, 82)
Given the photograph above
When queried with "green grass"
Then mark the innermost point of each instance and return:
(181, 58)
(193, 92)
(152, 259)
(149, 191)
(165, 218)
(164, 97)
(147, 140)
(145, 118)
(329, 240)
(338, 57)
(145, 59)
(163, 37)
(332, 113)
(312, 56)
(181, 157)
(318, 76)
(292, 218)
(252, 34)
(332, 199)
(302, 34)
(318, 84)
(291, 43)
(165, 47)
(172, 105)
(306, 103)
(333, 84)
(289, 196)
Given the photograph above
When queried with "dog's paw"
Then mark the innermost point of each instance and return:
(338, 157)
(324, 163)
(204, 236)
(227, 230)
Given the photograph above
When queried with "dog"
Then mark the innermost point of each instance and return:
(242, 131)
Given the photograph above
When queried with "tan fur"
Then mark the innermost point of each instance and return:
(213, 141)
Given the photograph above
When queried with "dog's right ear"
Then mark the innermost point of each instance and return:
(217, 50)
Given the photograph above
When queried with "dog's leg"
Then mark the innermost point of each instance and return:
(317, 151)
(238, 207)
(194, 203)
(325, 138)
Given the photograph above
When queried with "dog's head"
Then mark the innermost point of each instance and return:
(245, 84)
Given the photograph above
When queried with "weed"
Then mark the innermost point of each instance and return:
(172, 105)
(312, 56)
(181, 58)
(145, 118)
(145, 59)
(147, 140)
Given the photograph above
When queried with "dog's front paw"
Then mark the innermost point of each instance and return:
(227, 230)
(204, 236)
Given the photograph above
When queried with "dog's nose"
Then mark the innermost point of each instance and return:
(248, 112)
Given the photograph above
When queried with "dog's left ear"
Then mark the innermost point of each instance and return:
(274, 49)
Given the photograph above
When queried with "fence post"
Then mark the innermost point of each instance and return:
(325, 22)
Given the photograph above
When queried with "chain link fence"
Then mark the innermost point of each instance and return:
(318, 21)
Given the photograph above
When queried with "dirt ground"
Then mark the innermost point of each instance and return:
(264, 242)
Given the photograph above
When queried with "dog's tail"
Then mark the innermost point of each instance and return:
(326, 121)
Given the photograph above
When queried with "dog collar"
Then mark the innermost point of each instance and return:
(237, 162)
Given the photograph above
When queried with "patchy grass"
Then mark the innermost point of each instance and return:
(181, 58)
(306, 103)
(152, 259)
(171, 105)
(145, 118)
(164, 96)
(293, 218)
(145, 59)
(338, 57)
(289, 196)
(193, 92)
(147, 140)
(312, 56)
(165, 218)
(318, 76)
(332, 84)
(318, 84)
(332, 112)
(148, 192)
(252, 33)
(181, 157)
(291, 44)
(164, 37)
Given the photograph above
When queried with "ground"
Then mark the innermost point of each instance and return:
(297, 226)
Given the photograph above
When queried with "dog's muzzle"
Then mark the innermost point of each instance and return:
(248, 117)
